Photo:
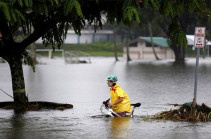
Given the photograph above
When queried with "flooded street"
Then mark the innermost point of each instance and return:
(153, 83)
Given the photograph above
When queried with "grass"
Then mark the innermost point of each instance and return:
(93, 49)
(45, 54)
(91, 53)
(103, 53)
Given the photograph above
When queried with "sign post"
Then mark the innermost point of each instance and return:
(199, 42)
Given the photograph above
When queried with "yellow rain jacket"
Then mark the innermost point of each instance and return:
(124, 106)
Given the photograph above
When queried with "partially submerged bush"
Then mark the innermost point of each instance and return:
(186, 113)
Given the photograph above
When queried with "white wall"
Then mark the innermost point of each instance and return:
(146, 53)
(88, 36)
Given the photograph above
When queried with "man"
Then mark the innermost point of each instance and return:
(120, 102)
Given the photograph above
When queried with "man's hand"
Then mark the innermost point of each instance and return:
(117, 102)
(110, 105)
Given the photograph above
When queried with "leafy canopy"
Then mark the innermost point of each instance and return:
(50, 19)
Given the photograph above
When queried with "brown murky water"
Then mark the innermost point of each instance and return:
(153, 83)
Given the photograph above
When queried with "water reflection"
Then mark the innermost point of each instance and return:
(17, 124)
(183, 130)
(120, 127)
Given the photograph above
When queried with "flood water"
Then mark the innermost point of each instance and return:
(153, 83)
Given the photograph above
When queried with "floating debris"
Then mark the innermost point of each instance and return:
(38, 105)
(186, 113)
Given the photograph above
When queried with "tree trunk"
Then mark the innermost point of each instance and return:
(150, 32)
(18, 85)
(115, 47)
(127, 45)
(179, 53)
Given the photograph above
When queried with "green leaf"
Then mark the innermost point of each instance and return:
(166, 7)
(46, 10)
(56, 1)
(170, 8)
(145, 3)
(196, 3)
(135, 12)
(30, 3)
(78, 9)
(20, 14)
(5, 9)
(209, 18)
(69, 4)
(176, 34)
(154, 4)
(129, 12)
(26, 2)
(28, 60)
(13, 16)
(20, 3)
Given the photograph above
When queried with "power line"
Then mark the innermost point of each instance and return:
(5, 93)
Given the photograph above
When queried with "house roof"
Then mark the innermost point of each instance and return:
(160, 41)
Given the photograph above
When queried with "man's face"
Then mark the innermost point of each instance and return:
(110, 83)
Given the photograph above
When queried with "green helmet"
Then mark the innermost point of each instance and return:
(112, 78)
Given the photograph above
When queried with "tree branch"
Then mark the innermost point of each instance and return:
(41, 29)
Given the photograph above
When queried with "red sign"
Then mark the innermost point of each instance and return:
(199, 37)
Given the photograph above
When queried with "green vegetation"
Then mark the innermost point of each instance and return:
(189, 52)
(93, 49)
(45, 54)
(186, 113)
(101, 49)
(101, 53)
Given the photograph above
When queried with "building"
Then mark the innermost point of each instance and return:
(88, 36)
(141, 48)
(190, 39)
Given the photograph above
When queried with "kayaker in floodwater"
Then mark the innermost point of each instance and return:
(120, 101)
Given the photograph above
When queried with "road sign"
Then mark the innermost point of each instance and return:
(199, 37)
(199, 42)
